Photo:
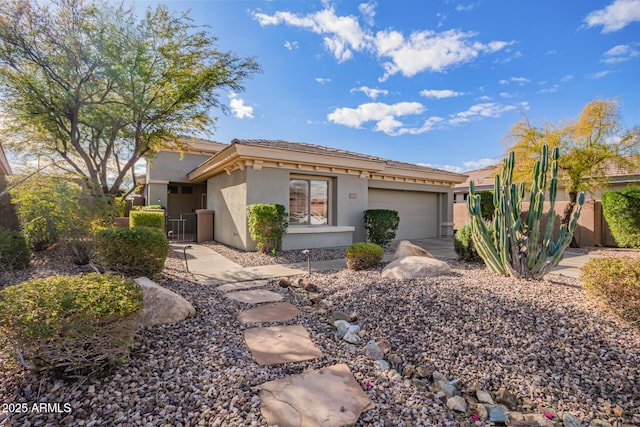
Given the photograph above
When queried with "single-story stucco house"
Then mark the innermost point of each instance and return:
(325, 190)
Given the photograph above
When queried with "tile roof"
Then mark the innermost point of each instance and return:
(323, 150)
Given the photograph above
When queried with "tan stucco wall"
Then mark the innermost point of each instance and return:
(227, 197)
(173, 166)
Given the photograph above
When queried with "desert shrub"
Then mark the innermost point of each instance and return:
(622, 211)
(44, 205)
(616, 282)
(267, 225)
(71, 325)
(463, 244)
(138, 251)
(146, 219)
(381, 225)
(14, 251)
(362, 256)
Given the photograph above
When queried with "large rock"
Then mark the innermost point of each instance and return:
(162, 305)
(406, 248)
(415, 267)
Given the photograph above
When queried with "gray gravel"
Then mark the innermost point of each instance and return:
(544, 342)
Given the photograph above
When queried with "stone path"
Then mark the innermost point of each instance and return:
(308, 399)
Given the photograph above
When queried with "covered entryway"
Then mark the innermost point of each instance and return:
(418, 211)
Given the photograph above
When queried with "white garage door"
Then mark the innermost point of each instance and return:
(418, 211)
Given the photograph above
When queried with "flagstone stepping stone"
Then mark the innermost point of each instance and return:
(239, 286)
(254, 296)
(277, 312)
(326, 397)
(281, 344)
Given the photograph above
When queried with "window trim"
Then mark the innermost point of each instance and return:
(308, 179)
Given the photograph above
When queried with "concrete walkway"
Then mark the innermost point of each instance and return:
(211, 268)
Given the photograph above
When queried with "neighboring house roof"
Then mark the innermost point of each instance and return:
(482, 178)
(5, 168)
(310, 157)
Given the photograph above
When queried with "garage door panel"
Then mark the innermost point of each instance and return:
(418, 211)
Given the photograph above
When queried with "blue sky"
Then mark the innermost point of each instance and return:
(430, 82)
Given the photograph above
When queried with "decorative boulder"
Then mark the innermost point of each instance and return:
(406, 248)
(415, 267)
(162, 305)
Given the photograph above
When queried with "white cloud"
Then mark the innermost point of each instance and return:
(520, 81)
(368, 11)
(620, 53)
(484, 110)
(567, 78)
(291, 45)
(465, 8)
(370, 92)
(600, 74)
(552, 89)
(616, 16)
(341, 34)
(421, 51)
(440, 94)
(428, 50)
(450, 168)
(385, 115)
(322, 80)
(239, 109)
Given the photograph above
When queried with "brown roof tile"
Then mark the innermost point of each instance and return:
(323, 150)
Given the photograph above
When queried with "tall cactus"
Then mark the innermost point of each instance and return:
(516, 247)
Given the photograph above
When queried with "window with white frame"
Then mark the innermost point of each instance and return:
(308, 201)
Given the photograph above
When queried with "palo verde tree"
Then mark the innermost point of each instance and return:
(588, 146)
(86, 82)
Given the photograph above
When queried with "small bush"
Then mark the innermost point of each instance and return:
(71, 325)
(381, 225)
(463, 244)
(616, 282)
(138, 251)
(487, 206)
(622, 211)
(146, 219)
(362, 256)
(267, 225)
(14, 250)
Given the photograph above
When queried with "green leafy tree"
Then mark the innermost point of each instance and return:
(589, 146)
(85, 82)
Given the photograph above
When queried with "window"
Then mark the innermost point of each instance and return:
(172, 189)
(309, 201)
(186, 189)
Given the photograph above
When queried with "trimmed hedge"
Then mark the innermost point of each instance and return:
(616, 282)
(139, 251)
(381, 225)
(363, 256)
(71, 325)
(146, 219)
(14, 250)
(267, 225)
(463, 244)
(622, 211)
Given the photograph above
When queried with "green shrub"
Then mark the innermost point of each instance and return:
(616, 282)
(138, 251)
(487, 206)
(363, 256)
(71, 325)
(267, 225)
(146, 219)
(14, 251)
(381, 225)
(463, 244)
(622, 212)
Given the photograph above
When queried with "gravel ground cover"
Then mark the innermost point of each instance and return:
(544, 342)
